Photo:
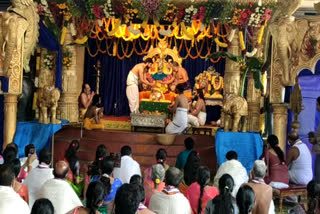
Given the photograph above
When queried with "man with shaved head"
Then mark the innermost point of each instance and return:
(58, 191)
(299, 160)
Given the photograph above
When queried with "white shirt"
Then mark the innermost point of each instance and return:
(35, 179)
(11, 202)
(162, 203)
(61, 195)
(235, 169)
(128, 168)
(34, 164)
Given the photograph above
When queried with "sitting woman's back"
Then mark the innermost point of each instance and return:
(223, 203)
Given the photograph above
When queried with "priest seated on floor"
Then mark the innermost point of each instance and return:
(85, 99)
(197, 113)
(92, 118)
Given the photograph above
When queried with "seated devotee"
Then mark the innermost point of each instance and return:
(245, 199)
(20, 188)
(94, 199)
(313, 189)
(58, 191)
(183, 156)
(180, 76)
(190, 171)
(198, 116)
(92, 118)
(161, 157)
(73, 176)
(42, 206)
(10, 201)
(85, 99)
(126, 200)
(39, 175)
(263, 192)
(128, 166)
(180, 109)
(277, 170)
(170, 200)
(299, 160)
(11, 153)
(156, 183)
(314, 138)
(199, 193)
(224, 202)
(111, 184)
(142, 209)
(136, 180)
(234, 168)
(29, 150)
(101, 153)
(1, 160)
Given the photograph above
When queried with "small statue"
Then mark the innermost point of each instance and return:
(234, 108)
(217, 84)
(48, 98)
(156, 95)
(203, 82)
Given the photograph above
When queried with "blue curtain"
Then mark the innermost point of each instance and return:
(114, 73)
(47, 40)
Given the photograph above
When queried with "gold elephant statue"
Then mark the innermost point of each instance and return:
(234, 108)
(48, 99)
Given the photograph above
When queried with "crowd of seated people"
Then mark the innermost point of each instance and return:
(111, 188)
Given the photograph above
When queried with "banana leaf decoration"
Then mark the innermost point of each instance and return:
(252, 64)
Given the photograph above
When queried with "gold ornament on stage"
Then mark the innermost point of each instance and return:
(48, 100)
(18, 37)
(234, 108)
(296, 104)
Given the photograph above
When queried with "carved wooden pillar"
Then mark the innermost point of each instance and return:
(232, 71)
(68, 104)
(280, 121)
(10, 118)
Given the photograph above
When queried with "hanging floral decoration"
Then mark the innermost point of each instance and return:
(108, 10)
(189, 13)
(49, 60)
(66, 58)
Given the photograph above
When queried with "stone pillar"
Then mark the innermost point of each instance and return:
(68, 108)
(253, 99)
(253, 94)
(232, 70)
(10, 118)
(280, 121)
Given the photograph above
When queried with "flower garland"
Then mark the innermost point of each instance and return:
(311, 44)
(189, 13)
(108, 10)
(66, 58)
(49, 60)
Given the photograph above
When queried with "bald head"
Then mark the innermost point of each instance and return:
(60, 170)
(293, 136)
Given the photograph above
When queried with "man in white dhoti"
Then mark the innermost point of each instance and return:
(59, 192)
(128, 166)
(234, 168)
(198, 116)
(136, 74)
(180, 108)
(38, 176)
(299, 160)
(170, 200)
(10, 201)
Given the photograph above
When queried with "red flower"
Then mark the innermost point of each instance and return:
(244, 15)
(250, 4)
(97, 11)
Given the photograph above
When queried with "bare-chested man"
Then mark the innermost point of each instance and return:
(86, 97)
(180, 76)
(180, 108)
(198, 116)
(136, 74)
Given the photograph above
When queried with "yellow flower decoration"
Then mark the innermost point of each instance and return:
(157, 181)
